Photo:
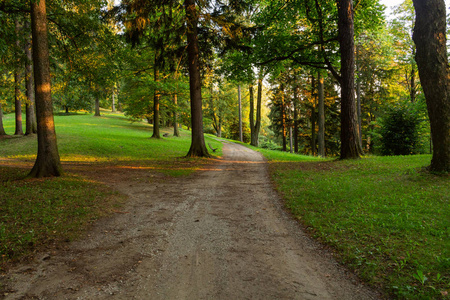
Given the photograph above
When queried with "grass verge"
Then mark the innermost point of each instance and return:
(384, 216)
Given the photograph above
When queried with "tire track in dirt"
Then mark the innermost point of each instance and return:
(217, 234)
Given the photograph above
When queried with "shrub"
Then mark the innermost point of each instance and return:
(399, 130)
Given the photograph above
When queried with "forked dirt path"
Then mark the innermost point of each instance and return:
(218, 234)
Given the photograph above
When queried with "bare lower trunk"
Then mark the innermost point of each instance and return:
(296, 90)
(97, 106)
(176, 131)
(255, 124)
(283, 118)
(313, 117)
(350, 147)
(47, 161)
(113, 105)
(240, 114)
(198, 146)
(432, 62)
(30, 117)
(321, 121)
(2, 129)
(17, 82)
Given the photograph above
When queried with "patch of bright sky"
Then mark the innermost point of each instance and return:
(391, 3)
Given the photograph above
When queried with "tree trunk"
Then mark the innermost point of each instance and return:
(17, 82)
(255, 125)
(240, 114)
(156, 98)
(47, 160)
(350, 147)
(113, 105)
(412, 92)
(283, 118)
(30, 126)
(296, 93)
(313, 117)
(198, 146)
(358, 98)
(432, 62)
(321, 134)
(97, 106)
(2, 129)
(176, 131)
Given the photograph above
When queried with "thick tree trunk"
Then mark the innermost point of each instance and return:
(30, 126)
(321, 121)
(17, 82)
(432, 62)
(176, 131)
(47, 161)
(350, 147)
(2, 129)
(198, 146)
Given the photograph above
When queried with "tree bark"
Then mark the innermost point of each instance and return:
(241, 138)
(283, 118)
(198, 146)
(313, 117)
(176, 131)
(255, 124)
(321, 121)
(350, 147)
(17, 82)
(113, 105)
(97, 106)
(47, 160)
(432, 62)
(156, 98)
(2, 129)
(30, 124)
(296, 93)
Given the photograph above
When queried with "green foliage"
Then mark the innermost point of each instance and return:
(384, 216)
(399, 131)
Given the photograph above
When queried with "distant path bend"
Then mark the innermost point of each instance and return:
(218, 234)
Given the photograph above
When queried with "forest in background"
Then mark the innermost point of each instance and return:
(270, 71)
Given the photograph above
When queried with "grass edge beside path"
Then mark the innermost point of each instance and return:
(384, 217)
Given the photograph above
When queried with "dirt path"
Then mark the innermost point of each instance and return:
(218, 234)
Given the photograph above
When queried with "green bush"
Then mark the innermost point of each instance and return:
(399, 130)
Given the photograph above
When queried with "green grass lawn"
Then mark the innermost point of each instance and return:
(385, 217)
(35, 213)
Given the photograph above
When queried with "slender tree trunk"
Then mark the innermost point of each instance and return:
(283, 118)
(358, 97)
(113, 106)
(313, 116)
(17, 82)
(176, 131)
(350, 147)
(30, 117)
(240, 114)
(97, 106)
(432, 62)
(252, 113)
(2, 129)
(291, 140)
(296, 93)
(47, 161)
(255, 124)
(156, 98)
(198, 146)
(321, 121)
